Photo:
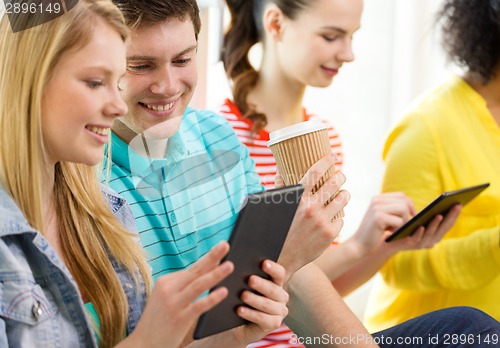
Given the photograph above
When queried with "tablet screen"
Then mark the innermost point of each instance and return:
(258, 234)
(440, 205)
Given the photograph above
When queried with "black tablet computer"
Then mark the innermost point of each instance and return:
(440, 205)
(258, 234)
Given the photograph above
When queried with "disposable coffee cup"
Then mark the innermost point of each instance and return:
(296, 148)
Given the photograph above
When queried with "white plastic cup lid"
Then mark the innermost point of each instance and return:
(295, 130)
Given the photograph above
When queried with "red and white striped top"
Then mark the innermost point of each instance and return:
(266, 168)
(257, 143)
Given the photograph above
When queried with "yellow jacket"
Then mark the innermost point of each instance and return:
(448, 140)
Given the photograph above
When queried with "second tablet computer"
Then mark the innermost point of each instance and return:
(440, 205)
(258, 234)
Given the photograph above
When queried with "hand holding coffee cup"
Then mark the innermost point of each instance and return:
(296, 148)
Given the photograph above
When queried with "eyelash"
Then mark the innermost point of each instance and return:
(145, 67)
(330, 38)
(94, 84)
(183, 61)
(138, 67)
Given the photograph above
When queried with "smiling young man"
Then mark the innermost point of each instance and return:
(185, 173)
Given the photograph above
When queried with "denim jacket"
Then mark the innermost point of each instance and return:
(40, 305)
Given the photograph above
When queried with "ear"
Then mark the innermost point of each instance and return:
(274, 22)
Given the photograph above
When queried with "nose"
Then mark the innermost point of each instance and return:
(164, 82)
(116, 107)
(346, 55)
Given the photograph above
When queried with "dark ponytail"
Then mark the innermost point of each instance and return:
(241, 35)
(243, 32)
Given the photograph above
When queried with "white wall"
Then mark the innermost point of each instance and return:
(397, 57)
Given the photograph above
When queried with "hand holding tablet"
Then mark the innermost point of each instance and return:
(258, 234)
(441, 205)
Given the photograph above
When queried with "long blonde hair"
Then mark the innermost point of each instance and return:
(90, 234)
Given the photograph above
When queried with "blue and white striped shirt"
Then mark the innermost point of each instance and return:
(188, 201)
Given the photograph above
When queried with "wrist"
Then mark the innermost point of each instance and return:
(240, 336)
(355, 248)
(129, 341)
(290, 267)
(388, 250)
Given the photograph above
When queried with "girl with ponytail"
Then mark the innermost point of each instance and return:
(271, 97)
(241, 36)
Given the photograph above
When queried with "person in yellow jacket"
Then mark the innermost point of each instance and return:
(449, 139)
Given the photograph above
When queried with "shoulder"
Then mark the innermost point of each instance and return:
(115, 201)
(412, 130)
(13, 220)
(120, 208)
(213, 126)
(428, 117)
(230, 111)
(205, 118)
(440, 103)
(241, 125)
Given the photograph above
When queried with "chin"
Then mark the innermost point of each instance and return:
(92, 161)
(324, 84)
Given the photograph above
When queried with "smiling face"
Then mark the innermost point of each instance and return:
(161, 76)
(312, 47)
(81, 99)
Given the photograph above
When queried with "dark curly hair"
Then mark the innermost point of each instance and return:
(471, 35)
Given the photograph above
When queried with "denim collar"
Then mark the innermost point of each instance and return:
(13, 220)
